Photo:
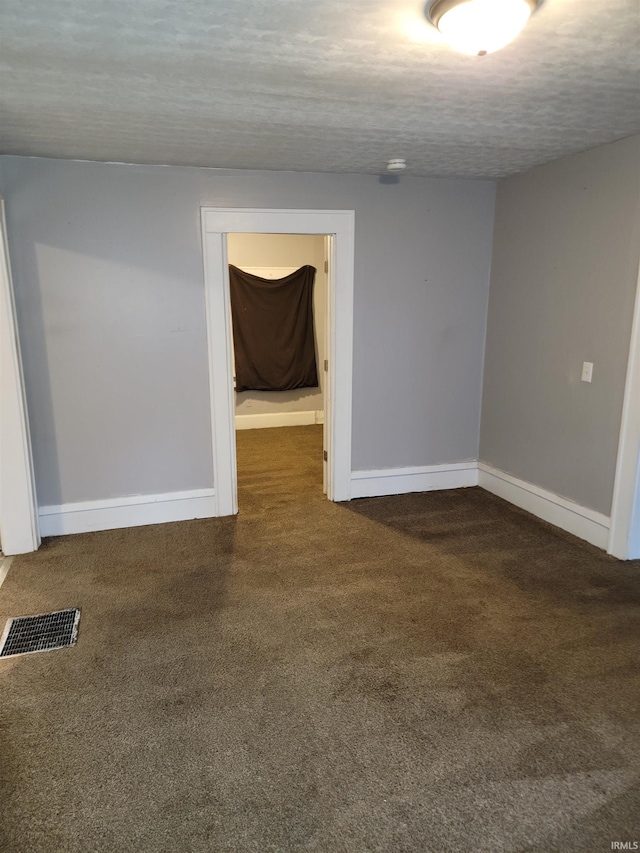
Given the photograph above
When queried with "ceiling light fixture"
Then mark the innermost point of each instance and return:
(398, 164)
(478, 27)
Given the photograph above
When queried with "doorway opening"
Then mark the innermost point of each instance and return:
(338, 226)
(279, 318)
(220, 228)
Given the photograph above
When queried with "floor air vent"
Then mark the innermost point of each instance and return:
(24, 635)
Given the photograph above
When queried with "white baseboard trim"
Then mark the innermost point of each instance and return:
(138, 510)
(134, 511)
(576, 519)
(399, 481)
(278, 419)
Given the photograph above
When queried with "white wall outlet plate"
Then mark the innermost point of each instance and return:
(587, 371)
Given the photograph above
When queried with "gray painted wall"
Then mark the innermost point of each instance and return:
(285, 250)
(565, 266)
(109, 283)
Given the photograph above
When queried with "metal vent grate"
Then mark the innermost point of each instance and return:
(24, 635)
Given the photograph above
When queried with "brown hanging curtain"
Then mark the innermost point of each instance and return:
(273, 335)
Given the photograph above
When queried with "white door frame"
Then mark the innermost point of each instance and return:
(19, 532)
(339, 224)
(628, 465)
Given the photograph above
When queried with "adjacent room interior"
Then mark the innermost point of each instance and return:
(292, 341)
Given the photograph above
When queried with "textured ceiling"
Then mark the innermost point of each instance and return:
(313, 85)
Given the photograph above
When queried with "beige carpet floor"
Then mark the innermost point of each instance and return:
(432, 672)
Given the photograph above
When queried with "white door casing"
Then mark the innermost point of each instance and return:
(329, 267)
(19, 532)
(628, 465)
(339, 225)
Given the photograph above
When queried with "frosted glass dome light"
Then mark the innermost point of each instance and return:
(478, 27)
